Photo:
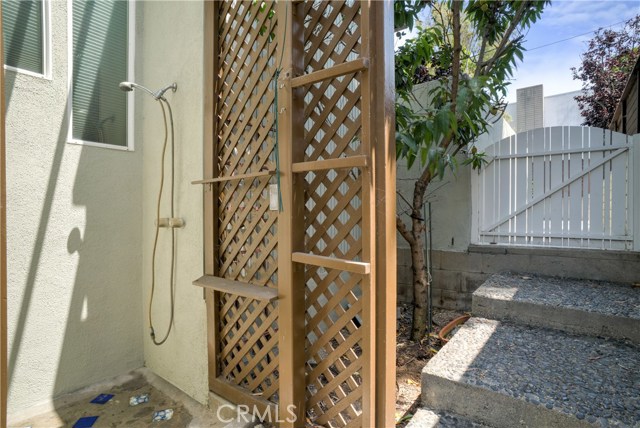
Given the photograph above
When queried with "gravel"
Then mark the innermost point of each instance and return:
(425, 418)
(594, 379)
(607, 298)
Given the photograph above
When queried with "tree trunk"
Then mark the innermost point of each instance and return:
(420, 287)
(420, 283)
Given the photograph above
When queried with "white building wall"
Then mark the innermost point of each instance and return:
(562, 110)
(74, 244)
(559, 110)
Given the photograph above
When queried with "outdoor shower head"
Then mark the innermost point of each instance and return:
(126, 86)
(130, 86)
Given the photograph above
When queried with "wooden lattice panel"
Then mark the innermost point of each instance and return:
(332, 112)
(333, 218)
(247, 229)
(333, 349)
(333, 214)
(292, 293)
(332, 33)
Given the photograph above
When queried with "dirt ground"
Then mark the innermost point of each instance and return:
(411, 359)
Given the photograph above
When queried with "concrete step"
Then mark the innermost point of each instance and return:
(425, 418)
(579, 306)
(509, 375)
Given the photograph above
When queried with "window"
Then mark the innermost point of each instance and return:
(98, 62)
(25, 26)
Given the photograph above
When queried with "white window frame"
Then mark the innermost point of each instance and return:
(131, 31)
(47, 47)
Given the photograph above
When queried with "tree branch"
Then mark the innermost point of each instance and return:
(515, 21)
(483, 46)
(402, 228)
(403, 198)
(455, 62)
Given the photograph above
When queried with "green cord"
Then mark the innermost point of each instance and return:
(275, 77)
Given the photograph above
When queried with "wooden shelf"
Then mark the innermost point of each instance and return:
(349, 67)
(234, 177)
(358, 161)
(331, 263)
(238, 288)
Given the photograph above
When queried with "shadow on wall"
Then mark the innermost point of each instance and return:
(36, 256)
(101, 335)
(103, 330)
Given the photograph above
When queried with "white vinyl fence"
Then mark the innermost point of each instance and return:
(571, 186)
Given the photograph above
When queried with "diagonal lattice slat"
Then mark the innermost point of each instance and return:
(247, 229)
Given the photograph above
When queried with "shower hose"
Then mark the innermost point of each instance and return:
(162, 102)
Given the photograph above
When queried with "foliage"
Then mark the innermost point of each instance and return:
(467, 54)
(606, 65)
(450, 121)
(405, 14)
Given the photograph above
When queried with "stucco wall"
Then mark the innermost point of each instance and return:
(450, 197)
(562, 110)
(74, 233)
(451, 204)
(165, 57)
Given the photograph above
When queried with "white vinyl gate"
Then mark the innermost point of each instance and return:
(560, 187)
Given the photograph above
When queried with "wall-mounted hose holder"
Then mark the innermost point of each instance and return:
(173, 222)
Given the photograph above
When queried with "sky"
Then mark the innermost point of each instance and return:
(563, 19)
(551, 65)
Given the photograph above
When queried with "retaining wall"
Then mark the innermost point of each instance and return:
(456, 275)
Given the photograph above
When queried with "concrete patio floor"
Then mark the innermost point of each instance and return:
(118, 413)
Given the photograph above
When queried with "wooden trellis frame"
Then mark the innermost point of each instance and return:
(301, 300)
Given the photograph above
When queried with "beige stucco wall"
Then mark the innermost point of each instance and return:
(74, 233)
(450, 205)
(171, 49)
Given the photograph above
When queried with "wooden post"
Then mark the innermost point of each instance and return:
(291, 278)
(3, 248)
(384, 163)
(369, 119)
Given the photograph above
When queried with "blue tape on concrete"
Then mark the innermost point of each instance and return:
(86, 422)
(102, 398)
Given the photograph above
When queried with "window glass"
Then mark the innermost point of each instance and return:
(99, 65)
(22, 22)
